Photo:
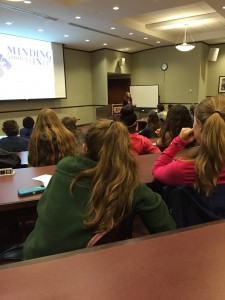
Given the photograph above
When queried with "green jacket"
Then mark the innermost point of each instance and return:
(59, 227)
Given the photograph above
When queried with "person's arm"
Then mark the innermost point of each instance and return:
(152, 210)
(170, 171)
(149, 147)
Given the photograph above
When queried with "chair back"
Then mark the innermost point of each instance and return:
(118, 233)
(188, 207)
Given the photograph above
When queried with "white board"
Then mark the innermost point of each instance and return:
(146, 96)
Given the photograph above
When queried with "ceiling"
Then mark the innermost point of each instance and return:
(138, 25)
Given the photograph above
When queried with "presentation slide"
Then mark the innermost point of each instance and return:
(30, 69)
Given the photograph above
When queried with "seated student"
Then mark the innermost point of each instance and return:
(140, 144)
(203, 165)
(13, 142)
(50, 140)
(28, 124)
(153, 123)
(178, 117)
(70, 124)
(94, 192)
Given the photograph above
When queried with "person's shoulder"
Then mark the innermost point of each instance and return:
(142, 191)
(75, 163)
(23, 140)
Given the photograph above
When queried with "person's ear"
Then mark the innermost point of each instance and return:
(84, 146)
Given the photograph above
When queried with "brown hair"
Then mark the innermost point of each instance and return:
(115, 177)
(50, 140)
(209, 155)
(210, 158)
(10, 128)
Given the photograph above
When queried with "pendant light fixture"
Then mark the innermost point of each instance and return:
(186, 46)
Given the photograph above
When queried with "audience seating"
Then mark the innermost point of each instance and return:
(188, 207)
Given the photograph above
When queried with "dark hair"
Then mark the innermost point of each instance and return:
(128, 116)
(153, 121)
(70, 123)
(160, 107)
(177, 117)
(10, 128)
(28, 122)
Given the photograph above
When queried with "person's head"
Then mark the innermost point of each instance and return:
(153, 120)
(28, 122)
(170, 106)
(70, 123)
(10, 128)
(127, 95)
(50, 140)
(108, 143)
(192, 109)
(129, 118)
(47, 118)
(209, 128)
(127, 99)
(177, 118)
(160, 107)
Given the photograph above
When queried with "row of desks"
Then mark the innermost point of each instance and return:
(9, 185)
(187, 265)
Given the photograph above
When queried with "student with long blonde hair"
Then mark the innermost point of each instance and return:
(93, 193)
(204, 165)
(50, 140)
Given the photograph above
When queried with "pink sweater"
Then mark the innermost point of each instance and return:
(142, 145)
(173, 172)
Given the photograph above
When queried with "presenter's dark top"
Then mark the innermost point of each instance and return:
(14, 143)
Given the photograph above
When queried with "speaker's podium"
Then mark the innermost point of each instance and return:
(111, 111)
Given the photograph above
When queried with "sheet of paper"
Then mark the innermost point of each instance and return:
(43, 178)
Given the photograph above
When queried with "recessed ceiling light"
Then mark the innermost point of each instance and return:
(116, 8)
(27, 2)
(145, 38)
(130, 33)
(113, 28)
(87, 40)
(157, 42)
(40, 30)
(105, 44)
(66, 35)
(78, 17)
(223, 7)
(8, 23)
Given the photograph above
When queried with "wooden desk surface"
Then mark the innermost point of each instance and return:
(145, 164)
(9, 185)
(186, 265)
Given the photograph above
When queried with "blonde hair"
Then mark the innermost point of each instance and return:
(210, 158)
(50, 140)
(114, 178)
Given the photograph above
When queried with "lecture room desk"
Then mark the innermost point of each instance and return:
(184, 265)
(23, 178)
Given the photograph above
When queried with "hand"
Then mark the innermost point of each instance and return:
(187, 135)
(158, 131)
